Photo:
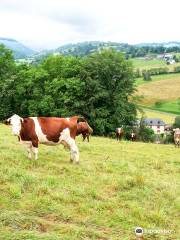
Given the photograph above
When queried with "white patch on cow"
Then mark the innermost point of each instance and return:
(15, 122)
(65, 137)
(68, 119)
(119, 130)
(41, 136)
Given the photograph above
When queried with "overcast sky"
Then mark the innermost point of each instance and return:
(51, 23)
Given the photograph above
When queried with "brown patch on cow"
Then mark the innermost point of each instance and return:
(52, 127)
(27, 132)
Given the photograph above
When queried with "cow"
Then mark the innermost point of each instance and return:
(46, 130)
(84, 129)
(119, 133)
(176, 137)
(133, 136)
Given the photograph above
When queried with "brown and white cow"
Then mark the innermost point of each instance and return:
(176, 137)
(119, 133)
(133, 136)
(46, 130)
(84, 129)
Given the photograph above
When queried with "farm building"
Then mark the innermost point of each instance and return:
(156, 124)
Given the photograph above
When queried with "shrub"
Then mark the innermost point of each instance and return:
(146, 76)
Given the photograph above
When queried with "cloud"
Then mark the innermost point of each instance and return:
(51, 23)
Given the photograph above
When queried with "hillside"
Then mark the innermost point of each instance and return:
(137, 50)
(161, 93)
(117, 187)
(166, 117)
(19, 50)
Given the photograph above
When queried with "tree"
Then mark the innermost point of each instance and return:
(7, 78)
(177, 122)
(108, 84)
(145, 133)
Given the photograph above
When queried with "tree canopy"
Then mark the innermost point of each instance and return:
(97, 86)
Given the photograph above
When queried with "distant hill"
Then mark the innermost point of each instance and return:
(19, 50)
(85, 48)
(137, 50)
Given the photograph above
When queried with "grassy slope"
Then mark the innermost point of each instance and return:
(117, 187)
(162, 88)
(170, 106)
(167, 117)
(169, 77)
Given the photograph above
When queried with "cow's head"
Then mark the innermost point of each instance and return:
(15, 122)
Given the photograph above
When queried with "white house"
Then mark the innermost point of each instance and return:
(156, 124)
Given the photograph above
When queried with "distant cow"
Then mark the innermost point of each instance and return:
(119, 133)
(133, 136)
(84, 129)
(46, 130)
(177, 137)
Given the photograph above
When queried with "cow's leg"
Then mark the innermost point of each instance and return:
(68, 140)
(29, 150)
(88, 137)
(35, 149)
(28, 146)
(84, 137)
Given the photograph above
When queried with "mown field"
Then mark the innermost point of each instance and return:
(116, 187)
(164, 89)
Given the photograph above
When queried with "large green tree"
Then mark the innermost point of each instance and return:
(108, 84)
(7, 77)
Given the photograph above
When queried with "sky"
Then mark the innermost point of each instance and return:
(48, 24)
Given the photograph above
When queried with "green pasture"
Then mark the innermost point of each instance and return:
(116, 187)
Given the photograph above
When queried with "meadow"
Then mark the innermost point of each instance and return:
(169, 77)
(166, 117)
(142, 64)
(164, 89)
(116, 187)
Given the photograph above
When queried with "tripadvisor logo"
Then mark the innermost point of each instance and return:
(139, 231)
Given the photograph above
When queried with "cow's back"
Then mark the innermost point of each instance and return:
(49, 129)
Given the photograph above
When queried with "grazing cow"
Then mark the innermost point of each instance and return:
(119, 133)
(46, 130)
(133, 136)
(84, 129)
(177, 137)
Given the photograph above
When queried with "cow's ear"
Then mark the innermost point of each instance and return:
(21, 120)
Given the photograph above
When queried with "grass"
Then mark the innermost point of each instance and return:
(166, 117)
(172, 106)
(146, 63)
(169, 77)
(167, 90)
(142, 64)
(116, 187)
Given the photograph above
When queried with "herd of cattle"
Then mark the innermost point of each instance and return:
(52, 131)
